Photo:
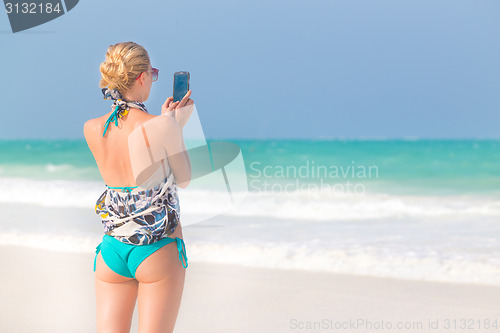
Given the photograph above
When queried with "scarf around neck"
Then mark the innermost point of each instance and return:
(120, 107)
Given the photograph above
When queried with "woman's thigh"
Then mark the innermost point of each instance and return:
(116, 296)
(161, 283)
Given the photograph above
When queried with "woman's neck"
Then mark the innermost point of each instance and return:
(132, 96)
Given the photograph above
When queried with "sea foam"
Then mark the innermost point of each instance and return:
(313, 205)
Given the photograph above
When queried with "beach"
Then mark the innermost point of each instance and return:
(414, 248)
(50, 291)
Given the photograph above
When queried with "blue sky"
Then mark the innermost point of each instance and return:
(270, 69)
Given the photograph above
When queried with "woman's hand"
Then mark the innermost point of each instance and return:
(181, 110)
(168, 107)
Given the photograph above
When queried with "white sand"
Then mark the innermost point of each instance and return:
(226, 298)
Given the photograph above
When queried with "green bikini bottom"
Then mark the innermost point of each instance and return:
(124, 258)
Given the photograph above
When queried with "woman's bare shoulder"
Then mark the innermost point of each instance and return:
(91, 126)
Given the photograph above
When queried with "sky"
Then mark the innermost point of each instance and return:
(321, 69)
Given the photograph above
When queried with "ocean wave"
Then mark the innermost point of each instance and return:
(49, 171)
(297, 205)
(309, 256)
(50, 193)
(315, 205)
(54, 242)
(362, 261)
(57, 167)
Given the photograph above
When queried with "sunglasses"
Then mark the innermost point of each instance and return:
(154, 73)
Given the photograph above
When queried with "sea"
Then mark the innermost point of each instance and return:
(417, 209)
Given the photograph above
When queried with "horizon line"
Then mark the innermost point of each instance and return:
(339, 138)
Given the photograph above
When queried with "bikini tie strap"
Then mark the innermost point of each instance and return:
(97, 249)
(181, 247)
(113, 117)
(120, 106)
(127, 189)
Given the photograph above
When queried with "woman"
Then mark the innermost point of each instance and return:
(142, 254)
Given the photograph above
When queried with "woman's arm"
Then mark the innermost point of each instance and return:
(178, 157)
(178, 114)
(187, 156)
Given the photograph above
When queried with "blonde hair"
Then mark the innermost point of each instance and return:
(124, 63)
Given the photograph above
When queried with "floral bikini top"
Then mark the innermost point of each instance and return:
(135, 216)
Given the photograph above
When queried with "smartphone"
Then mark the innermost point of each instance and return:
(181, 85)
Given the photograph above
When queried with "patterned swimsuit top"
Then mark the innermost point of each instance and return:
(136, 216)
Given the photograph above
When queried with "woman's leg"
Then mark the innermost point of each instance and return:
(116, 296)
(161, 282)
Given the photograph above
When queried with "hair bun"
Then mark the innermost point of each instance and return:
(124, 63)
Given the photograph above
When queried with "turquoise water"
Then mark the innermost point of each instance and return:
(399, 166)
(391, 166)
(431, 207)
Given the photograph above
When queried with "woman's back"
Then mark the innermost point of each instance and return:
(111, 151)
